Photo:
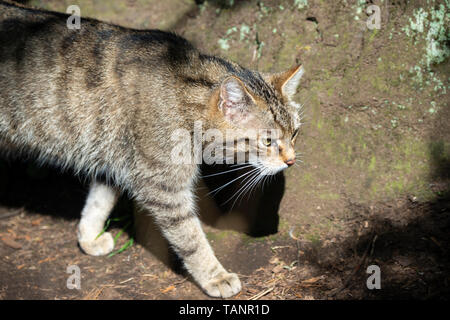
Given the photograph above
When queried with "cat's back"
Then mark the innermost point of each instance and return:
(38, 45)
(32, 35)
(85, 93)
(39, 30)
(18, 22)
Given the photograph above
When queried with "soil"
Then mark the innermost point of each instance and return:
(373, 187)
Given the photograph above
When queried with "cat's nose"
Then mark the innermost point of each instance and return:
(290, 162)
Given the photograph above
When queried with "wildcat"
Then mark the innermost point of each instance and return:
(104, 99)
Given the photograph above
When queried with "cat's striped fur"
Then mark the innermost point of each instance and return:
(104, 100)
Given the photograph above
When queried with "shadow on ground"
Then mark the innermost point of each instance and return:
(407, 238)
(44, 190)
(409, 242)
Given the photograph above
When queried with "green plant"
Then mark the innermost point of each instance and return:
(301, 4)
(432, 26)
(128, 223)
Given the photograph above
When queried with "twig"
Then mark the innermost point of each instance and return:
(373, 244)
(125, 281)
(279, 247)
(94, 293)
(297, 244)
(180, 281)
(261, 294)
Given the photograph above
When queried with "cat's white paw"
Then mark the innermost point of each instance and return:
(98, 247)
(224, 285)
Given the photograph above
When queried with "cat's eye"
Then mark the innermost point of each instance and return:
(267, 142)
(295, 134)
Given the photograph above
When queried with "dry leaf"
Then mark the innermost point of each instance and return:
(278, 268)
(36, 222)
(274, 260)
(312, 280)
(46, 260)
(12, 233)
(10, 242)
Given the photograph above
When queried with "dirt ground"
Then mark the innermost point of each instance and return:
(372, 188)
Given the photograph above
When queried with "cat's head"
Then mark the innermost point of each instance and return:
(250, 102)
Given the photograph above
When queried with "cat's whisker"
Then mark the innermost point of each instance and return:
(242, 190)
(254, 184)
(215, 191)
(248, 179)
(265, 180)
(226, 171)
(251, 182)
(255, 181)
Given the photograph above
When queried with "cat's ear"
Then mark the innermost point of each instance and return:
(287, 82)
(235, 100)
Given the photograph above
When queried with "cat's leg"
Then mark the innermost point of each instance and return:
(174, 213)
(100, 201)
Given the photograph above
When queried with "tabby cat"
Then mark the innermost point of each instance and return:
(104, 100)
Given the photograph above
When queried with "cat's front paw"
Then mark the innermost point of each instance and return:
(98, 247)
(223, 285)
